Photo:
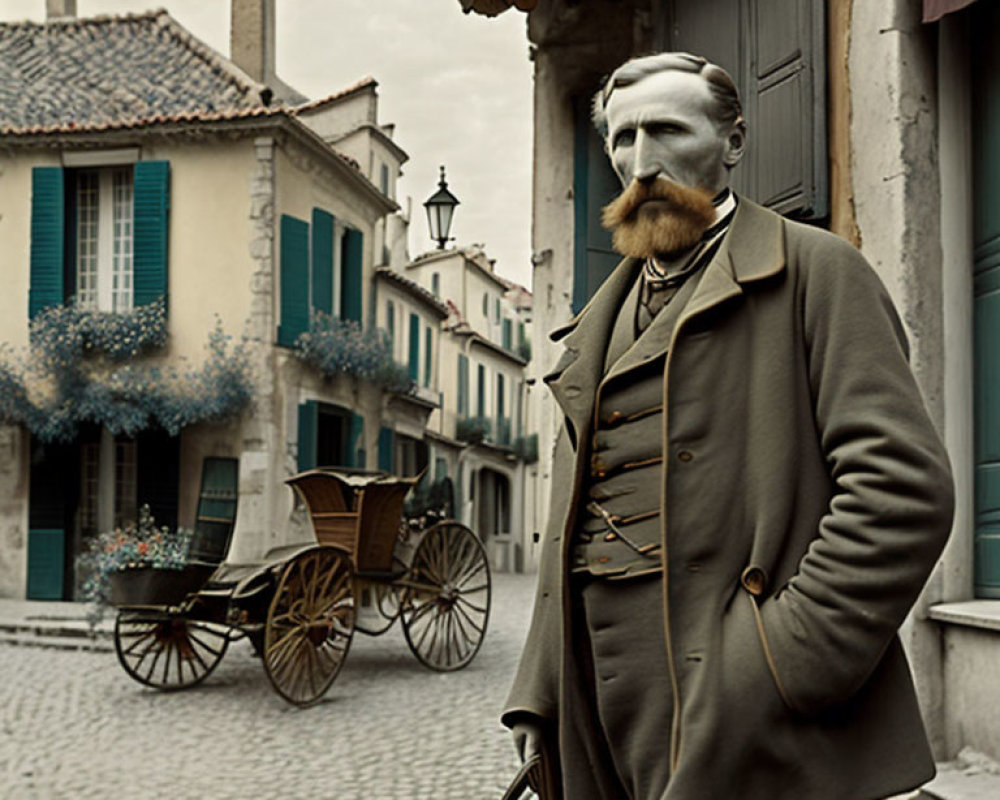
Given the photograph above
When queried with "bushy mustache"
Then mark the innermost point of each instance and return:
(677, 223)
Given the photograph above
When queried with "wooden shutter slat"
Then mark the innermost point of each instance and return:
(294, 249)
(322, 261)
(414, 359)
(351, 281)
(308, 424)
(48, 230)
(150, 208)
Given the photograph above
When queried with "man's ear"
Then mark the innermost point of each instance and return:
(736, 143)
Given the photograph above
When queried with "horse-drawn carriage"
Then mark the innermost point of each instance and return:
(302, 604)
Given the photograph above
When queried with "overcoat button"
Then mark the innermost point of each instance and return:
(685, 456)
(694, 567)
(754, 580)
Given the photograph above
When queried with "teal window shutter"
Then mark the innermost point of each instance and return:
(463, 385)
(351, 266)
(481, 391)
(322, 261)
(428, 349)
(294, 279)
(386, 442)
(48, 232)
(414, 362)
(356, 455)
(216, 515)
(151, 209)
(508, 335)
(46, 562)
(308, 424)
(390, 324)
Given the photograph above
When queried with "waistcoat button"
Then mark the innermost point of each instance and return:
(685, 456)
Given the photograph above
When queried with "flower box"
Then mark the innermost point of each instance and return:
(153, 586)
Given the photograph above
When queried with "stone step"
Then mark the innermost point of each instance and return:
(972, 776)
(55, 641)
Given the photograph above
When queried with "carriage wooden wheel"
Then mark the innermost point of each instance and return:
(309, 625)
(446, 604)
(168, 653)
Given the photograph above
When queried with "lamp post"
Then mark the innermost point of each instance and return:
(440, 208)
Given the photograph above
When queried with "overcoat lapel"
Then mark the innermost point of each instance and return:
(752, 250)
(574, 378)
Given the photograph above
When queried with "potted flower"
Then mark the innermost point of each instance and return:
(140, 564)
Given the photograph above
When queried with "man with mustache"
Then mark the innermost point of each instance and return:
(758, 493)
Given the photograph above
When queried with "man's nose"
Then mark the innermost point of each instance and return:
(646, 166)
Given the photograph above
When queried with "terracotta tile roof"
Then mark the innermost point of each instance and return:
(313, 105)
(414, 288)
(115, 71)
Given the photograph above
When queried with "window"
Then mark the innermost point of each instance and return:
(428, 350)
(496, 310)
(414, 359)
(329, 436)
(99, 234)
(107, 502)
(383, 180)
(436, 284)
(481, 391)
(390, 325)
(463, 385)
(486, 305)
(508, 334)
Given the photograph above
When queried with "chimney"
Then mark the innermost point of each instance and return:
(54, 9)
(251, 37)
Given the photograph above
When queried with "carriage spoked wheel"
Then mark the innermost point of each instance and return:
(446, 602)
(309, 625)
(168, 652)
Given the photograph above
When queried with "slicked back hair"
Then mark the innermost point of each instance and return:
(726, 110)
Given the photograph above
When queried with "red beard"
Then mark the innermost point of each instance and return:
(674, 222)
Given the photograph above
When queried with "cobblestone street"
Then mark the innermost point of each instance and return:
(74, 725)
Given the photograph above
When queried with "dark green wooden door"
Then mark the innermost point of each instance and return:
(986, 228)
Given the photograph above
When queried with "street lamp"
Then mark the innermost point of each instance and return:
(440, 208)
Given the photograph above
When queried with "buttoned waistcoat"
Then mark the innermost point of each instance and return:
(806, 496)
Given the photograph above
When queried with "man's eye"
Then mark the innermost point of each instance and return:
(624, 138)
(664, 128)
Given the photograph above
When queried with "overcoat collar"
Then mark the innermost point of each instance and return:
(752, 250)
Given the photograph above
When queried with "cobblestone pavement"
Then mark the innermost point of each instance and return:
(74, 725)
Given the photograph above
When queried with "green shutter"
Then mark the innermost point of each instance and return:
(322, 261)
(48, 231)
(46, 560)
(216, 515)
(985, 25)
(151, 208)
(294, 279)
(463, 385)
(390, 325)
(351, 276)
(594, 185)
(308, 423)
(428, 350)
(414, 362)
(356, 455)
(386, 442)
(508, 334)
(481, 391)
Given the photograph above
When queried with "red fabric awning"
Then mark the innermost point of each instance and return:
(935, 9)
(491, 8)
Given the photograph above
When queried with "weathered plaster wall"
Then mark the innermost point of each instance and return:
(897, 200)
(14, 470)
(971, 693)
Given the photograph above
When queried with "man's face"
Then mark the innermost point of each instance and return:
(662, 127)
(672, 157)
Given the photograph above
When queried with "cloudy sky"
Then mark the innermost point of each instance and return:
(457, 87)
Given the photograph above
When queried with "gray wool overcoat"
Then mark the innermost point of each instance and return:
(806, 497)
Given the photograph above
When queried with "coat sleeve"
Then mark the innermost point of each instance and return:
(536, 682)
(892, 496)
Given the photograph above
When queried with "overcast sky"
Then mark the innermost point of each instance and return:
(458, 88)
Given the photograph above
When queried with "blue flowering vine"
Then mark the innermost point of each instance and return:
(81, 366)
(342, 347)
